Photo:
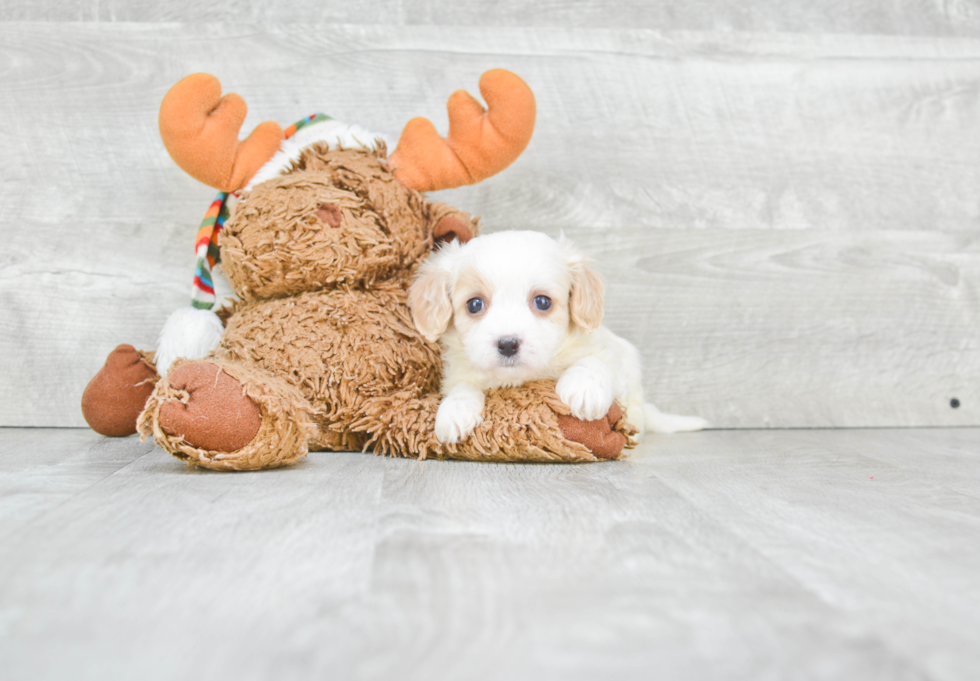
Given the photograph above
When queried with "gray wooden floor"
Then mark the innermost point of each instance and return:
(849, 554)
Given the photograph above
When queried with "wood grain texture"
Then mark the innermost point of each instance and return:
(910, 17)
(800, 209)
(725, 554)
(811, 328)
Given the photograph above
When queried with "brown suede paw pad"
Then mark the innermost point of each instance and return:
(214, 413)
(116, 395)
(599, 436)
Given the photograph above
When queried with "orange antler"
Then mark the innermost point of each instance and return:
(480, 143)
(200, 128)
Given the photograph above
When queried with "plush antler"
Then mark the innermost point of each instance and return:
(200, 128)
(480, 143)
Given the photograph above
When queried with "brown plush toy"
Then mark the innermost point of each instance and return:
(320, 352)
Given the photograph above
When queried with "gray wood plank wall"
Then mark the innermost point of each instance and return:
(783, 196)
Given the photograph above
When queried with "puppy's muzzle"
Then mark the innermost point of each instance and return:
(508, 346)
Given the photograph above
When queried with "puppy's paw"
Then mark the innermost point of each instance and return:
(587, 390)
(457, 417)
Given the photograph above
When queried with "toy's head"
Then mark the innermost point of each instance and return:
(326, 207)
(338, 218)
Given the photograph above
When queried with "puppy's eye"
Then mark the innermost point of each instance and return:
(542, 303)
(474, 305)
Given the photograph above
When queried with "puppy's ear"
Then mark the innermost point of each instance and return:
(585, 303)
(429, 299)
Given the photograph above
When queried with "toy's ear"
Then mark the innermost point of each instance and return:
(429, 298)
(200, 129)
(451, 228)
(481, 142)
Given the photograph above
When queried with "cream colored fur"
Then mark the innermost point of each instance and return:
(510, 340)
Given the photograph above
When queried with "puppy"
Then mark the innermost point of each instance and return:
(516, 306)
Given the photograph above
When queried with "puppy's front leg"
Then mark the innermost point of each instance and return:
(586, 388)
(459, 413)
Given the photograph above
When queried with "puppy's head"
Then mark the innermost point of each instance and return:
(511, 297)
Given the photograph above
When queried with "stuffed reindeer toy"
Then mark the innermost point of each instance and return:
(320, 234)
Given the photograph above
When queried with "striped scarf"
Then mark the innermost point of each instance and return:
(206, 245)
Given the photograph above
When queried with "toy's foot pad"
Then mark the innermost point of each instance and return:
(599, 436)
(116, 395)
(213, 412)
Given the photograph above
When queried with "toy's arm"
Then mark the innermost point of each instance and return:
(526, 423)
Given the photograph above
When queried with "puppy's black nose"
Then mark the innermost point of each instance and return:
(508, 346)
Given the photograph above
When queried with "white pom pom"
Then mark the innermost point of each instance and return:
(189, 333)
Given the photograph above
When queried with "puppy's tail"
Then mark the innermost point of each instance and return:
(655, 421)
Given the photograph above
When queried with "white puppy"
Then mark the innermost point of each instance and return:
(516, 306)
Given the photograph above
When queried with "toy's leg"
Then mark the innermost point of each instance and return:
(115, 396)
(528, 423)
(227, 416)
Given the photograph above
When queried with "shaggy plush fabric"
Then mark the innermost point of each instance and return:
(519, 424)
(343, 348)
